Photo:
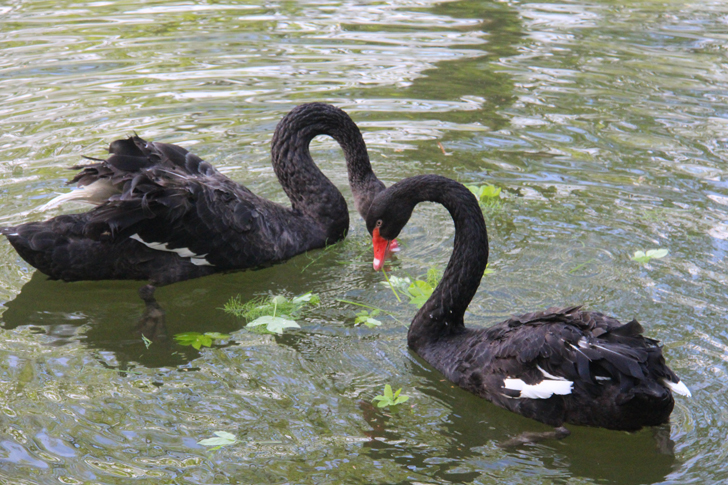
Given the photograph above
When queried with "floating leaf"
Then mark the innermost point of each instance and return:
(308, 298)
(273, 324)
(657, 253)
(223, 439)
(488, 270)
(367, 318)
(198, 340)
(642, 257)
(217, 335)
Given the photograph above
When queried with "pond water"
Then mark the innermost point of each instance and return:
(604, 123)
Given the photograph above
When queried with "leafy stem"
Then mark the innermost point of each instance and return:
(372, 308)
(390, 285)
(390, 398)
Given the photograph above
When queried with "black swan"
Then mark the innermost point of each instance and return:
(164, 215)
(557, 366)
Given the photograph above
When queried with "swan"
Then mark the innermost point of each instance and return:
(562, 365)
(164, 215)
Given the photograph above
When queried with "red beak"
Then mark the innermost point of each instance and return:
(381, 246)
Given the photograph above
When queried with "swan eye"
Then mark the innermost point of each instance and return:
(379, 223)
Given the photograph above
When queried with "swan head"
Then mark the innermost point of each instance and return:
(385, 219)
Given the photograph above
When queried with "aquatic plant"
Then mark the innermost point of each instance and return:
(223, 439)
(198, 340)
(645, 257)
(273, 314)
(488, 195)
(367, 318)
(390, 398)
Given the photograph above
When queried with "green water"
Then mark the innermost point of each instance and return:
(605, 124)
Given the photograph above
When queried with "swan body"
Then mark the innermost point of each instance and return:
(164, 215)
(562, 365)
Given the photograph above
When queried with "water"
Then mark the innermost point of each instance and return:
(605, 124)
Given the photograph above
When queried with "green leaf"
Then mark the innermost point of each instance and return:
(372, 322)
(271, 306)
(490, 191)
(389, 398)
(217, 335)
(657, 253)
(223, 439)
(274, 324)
(484, 191)
(434, 276)
(642, 257)
(306, 298)
(419, 292)
(198, 340)
(279, 300)
(476, 190)
(203, 340)
(366, 318)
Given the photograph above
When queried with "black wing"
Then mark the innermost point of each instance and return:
(170, 200)
(587, 348)
(168, 216)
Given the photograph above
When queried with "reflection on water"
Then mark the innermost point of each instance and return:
(605, 126)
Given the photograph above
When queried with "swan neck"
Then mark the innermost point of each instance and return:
(309, 190)
(443, 313)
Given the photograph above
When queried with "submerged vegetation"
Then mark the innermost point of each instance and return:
(271, 314)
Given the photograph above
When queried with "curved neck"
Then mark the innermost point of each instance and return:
(307, 187)
(442, 314)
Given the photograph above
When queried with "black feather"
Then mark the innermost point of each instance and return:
(169, 197)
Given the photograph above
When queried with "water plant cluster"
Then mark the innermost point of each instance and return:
(271, 314)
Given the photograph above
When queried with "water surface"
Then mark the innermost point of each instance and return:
(605, 124)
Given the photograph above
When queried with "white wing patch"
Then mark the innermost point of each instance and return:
(550, 376)
(678, 387)
(198, 260)
(542, 390)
